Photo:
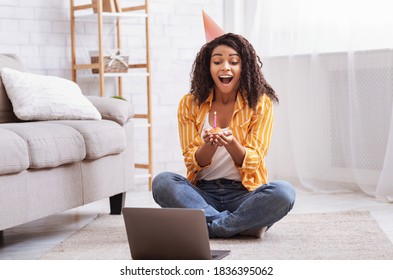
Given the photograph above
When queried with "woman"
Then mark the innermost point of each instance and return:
(226, 172)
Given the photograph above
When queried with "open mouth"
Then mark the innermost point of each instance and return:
(225, 79)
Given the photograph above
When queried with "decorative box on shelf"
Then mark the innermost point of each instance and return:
(115, 61)
(110, 6)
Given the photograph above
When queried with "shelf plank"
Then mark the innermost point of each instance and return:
(142, 65)
(109, 16)
(134, 8)
(128, 74)
(115, 75)
(141, 116)
(96, 65)
(142, 165)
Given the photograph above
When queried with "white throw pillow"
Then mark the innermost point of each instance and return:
(38, 97)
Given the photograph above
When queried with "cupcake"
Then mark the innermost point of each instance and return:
(215, 130)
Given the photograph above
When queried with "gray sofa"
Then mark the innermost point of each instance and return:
(48, 167)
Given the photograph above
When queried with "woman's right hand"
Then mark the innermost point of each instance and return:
(208, 137)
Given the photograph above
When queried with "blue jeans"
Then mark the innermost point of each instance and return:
(229, 207)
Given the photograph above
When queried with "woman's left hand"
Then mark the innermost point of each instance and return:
(224, 138)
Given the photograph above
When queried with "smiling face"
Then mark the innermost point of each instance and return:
(225, 69)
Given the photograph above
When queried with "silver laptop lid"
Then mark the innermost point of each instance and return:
(167, 233)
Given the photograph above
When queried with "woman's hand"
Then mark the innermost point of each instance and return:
(208, 137)
(218, 138)
(204, 153)
(232, 145)
(224, 138)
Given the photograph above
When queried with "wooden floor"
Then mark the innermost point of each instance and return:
(31, 240)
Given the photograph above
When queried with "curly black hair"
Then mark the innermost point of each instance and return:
(252, 83)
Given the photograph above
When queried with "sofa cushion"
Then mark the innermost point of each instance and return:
(113, 109)
(49, 145)
(101, 138)
(6, 110)
(14, 156)
(39, 97)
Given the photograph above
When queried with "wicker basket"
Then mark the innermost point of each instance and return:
(114, 61)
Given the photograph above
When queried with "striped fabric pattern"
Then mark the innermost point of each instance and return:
(252, 128)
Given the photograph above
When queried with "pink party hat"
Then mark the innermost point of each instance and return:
(212, 30)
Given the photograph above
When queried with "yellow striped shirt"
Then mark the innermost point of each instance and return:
(252, 128)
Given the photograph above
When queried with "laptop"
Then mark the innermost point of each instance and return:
(168, 234)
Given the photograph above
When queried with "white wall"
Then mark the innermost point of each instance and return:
(39, 32)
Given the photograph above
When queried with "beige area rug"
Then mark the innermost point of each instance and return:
(350, 235)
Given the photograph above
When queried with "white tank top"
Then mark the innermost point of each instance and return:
(222, 165)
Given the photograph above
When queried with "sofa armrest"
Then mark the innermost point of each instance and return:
(113, 109)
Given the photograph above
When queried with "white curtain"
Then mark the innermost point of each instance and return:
(331, 65)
